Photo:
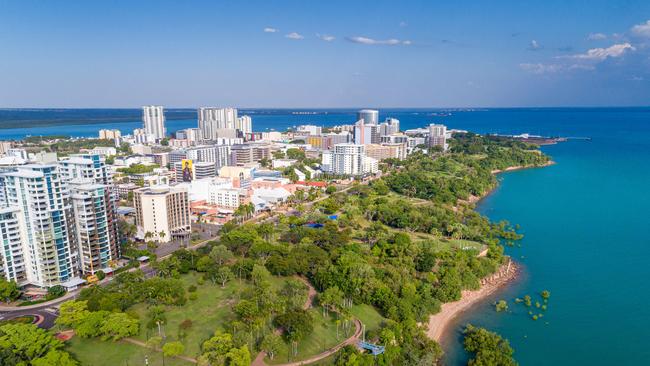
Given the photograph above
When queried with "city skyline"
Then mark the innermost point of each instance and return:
(324, 55)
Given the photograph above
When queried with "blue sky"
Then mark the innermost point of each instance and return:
(324, 53)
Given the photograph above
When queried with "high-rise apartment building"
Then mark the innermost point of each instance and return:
(211, 120)
(37, 196)
(86, 166)
(13, 234)
(217, 154)
(153, 118)
(366, 133)
(249, 153)
(96, 224)
(162, 212)
(347, 159)
(438, 136)
(244, 124)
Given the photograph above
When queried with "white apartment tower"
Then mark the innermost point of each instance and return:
(96, 224)
(348, 159)
(12, 245)
(37, 208)
(438, 136)
(211, 120)
(86, 166)
(244, 124)
(153, 118)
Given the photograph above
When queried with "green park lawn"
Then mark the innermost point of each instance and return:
(321, 339)
(96, 352)
(209, 312)
(368, 315)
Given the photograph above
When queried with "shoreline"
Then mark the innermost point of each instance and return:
(439, 324)
(475, 199)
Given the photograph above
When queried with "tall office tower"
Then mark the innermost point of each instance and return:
(244, 124)
(86, 166)
(38, 194)
(438, 136)
(96, 224)
(162, 211)
(13, 243)
(366, 133)
(211, 120)
(153, 118)
(369, 116)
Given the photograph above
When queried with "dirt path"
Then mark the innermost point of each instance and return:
(259, 360)
(311, 294)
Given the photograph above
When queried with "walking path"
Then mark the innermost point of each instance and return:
(259, 360)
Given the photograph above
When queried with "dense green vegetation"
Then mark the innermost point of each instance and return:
(63, 145)
(466, 171)
(488, 348)
(26, 344)
(138, 169)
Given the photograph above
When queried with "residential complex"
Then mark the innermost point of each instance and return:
(438, 136)
(37, 208)
(153, 118)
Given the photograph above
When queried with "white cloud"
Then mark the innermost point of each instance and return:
(294, 35)
(642, 30)
(270, 30)
(540, 68)
(370, 41)
(534, 46)
(596, 36)
(403, 24)
(326, 37)
(600, 54)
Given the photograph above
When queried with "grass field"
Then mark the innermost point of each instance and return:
(368, 315)
(96, 352)
(322, 338)
(209, 312)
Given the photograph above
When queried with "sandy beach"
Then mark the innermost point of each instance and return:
(439, 323)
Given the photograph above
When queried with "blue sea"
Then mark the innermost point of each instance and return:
(585, 221)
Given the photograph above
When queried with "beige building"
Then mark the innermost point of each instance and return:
(249, 153)
(110, 134)
(386, 151)
(162, 211)
(241, 176)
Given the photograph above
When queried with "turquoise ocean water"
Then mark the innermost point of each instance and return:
(585, 220)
